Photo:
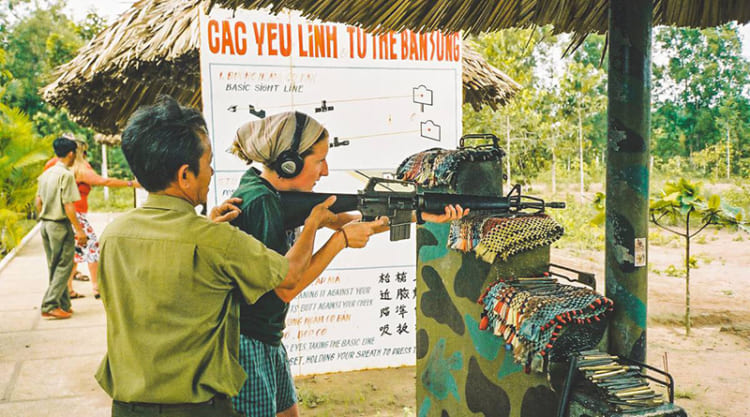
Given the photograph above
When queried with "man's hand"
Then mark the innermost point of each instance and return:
(451, 213)
(81, 237)
(320, 216)
(226, 211)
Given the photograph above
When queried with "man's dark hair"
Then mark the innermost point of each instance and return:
(159, 139)
(63, 146)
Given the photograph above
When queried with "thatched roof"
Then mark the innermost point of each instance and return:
(109, 140)
(483, 83)
(152, 49)
(579, 17)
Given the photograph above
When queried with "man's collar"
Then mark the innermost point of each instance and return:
(167, 202)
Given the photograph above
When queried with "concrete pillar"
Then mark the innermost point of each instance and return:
(628, 117)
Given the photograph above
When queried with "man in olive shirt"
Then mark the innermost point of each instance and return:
(56, 193)
(171, 281)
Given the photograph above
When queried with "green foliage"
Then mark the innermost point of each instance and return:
(120, 199)
(580, 231)
(22, 156)
(673, 271)
(701, 98)
(561, 104)
(39, 40)
(35, 37)
(683, 202)
(310, 399)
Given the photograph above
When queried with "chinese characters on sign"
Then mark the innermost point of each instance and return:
(395, 295)
(333, 320)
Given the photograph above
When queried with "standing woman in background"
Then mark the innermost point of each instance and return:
(86, 178)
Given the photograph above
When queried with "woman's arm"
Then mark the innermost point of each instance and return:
(343, 219)
(90, 177)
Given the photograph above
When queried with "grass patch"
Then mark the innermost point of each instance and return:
(120, 199)
(673, 271)
(580, 232)
(310, 398)
(684, 394)
(702, 258)
(25, 226)
(657, 238)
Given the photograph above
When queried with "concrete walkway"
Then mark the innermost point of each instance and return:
(47, 366)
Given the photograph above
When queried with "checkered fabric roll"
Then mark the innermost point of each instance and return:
(503, 236)
(435, 167)
(530, 314)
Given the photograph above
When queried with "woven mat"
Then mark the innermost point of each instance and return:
(503, 236)
(530, 314)
(437, 166)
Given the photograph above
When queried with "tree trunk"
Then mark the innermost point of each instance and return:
(728, 146)
(687, 276)
(580, 150)
(507, 152)
(554, 167)
(104, 170)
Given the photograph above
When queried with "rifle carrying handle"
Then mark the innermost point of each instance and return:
(478, 136)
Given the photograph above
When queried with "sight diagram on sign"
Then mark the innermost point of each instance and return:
(430, 130)
(398, 120)
(422, 96)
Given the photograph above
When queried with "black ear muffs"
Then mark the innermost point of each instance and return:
(289, 163)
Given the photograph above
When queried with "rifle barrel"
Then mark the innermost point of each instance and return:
(436, 202)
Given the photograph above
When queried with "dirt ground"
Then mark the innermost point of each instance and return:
(711, 367)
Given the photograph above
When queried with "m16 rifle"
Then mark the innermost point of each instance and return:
(398, 199)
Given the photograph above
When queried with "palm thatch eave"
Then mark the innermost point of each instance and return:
(476, 16)
(153, 49)
(579, 17)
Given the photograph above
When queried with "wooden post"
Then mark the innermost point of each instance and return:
(104, 170)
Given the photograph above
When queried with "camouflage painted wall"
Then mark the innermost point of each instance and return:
(462, 371)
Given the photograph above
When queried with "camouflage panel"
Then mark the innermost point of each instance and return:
(462, 371)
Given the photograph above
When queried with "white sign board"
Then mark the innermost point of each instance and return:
(382, 98)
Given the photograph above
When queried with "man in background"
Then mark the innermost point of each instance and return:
(56, 193)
